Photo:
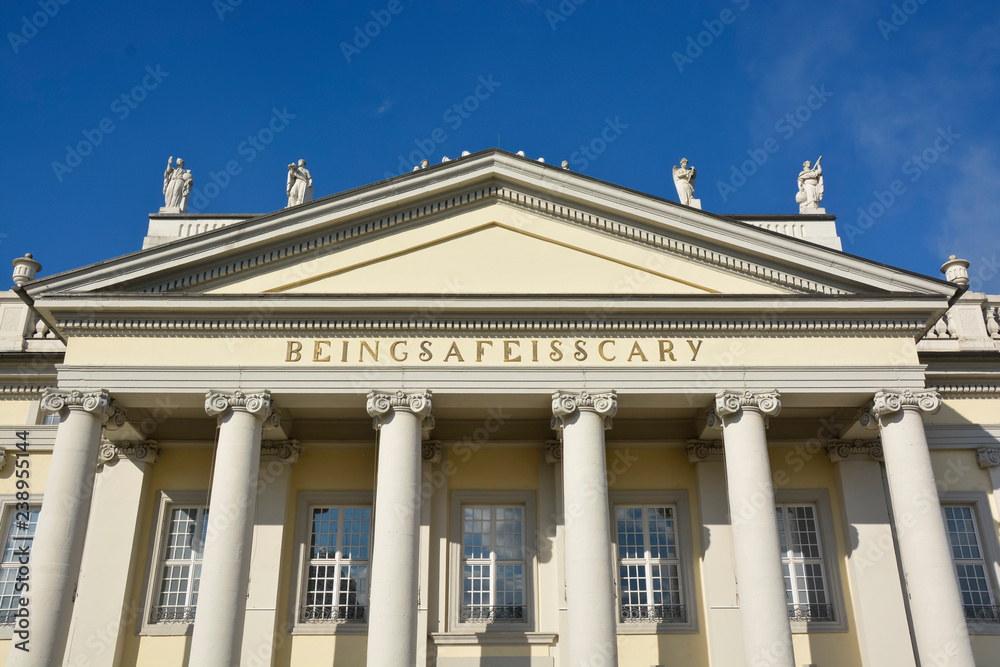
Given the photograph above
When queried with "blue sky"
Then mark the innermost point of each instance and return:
(904, 101)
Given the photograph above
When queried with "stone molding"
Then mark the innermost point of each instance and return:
(988, 457)
(430, 451)
(854, 450)
(286, 451)
(702, 451)
(24, 390)
(729, 403)
(380, 404)
(888, 402)
(971, 390)
(3, 458)
(97, 402)
(140, 452)
(219, 404)
(476, 197)
(553, 451)
(564, 405)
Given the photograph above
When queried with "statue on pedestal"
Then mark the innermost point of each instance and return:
(684, 182)
(810, 188)
(177, 183)
(299, 187)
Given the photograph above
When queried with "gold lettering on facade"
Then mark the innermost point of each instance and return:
(561, 351)
(318, 350)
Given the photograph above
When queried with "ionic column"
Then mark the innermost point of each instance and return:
(876, 593)
(57, 551)
(939, 625)
(104, 610)
(718, 572)
(392, 615)
(767, 633)
(222, 594)
(590, 570)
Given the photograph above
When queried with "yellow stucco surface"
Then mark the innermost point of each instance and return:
(15, 412)
(966, 411)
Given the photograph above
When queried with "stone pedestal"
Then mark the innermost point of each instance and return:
(590, 570)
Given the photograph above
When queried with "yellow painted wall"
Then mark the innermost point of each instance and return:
(15, 413)
(966, 411)
(319, 470)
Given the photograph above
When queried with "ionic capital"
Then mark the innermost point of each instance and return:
(701, 451)
(219, 404)
(139, 452)
(98, 403)
(417, 402)
(854, 450)
(988, 457)
(888, 402)
(729, 403)
(553, 451)
(430, 451)
(286, 451)
(565, 405)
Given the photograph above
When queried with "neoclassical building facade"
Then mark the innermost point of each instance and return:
(496, 413)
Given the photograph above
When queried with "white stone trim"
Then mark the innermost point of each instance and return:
(831, 558)
(300, 560)
(530, 543)
(979, 501)
(165, 499)
(677, 498)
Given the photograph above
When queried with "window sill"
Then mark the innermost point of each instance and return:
(461, 638)
(166, 629)
(816, 627)
(657, 628)
(980, 628)
(329, 629)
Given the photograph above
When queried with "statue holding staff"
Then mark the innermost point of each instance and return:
(810, 187)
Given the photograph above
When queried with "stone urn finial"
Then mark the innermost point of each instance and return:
(956, 271)
(25, 269)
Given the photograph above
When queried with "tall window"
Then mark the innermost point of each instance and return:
(648, 564)
(802, 562)
(493, 565)
(19, 530)
(339, 553)
(970, 565)
(180, 565)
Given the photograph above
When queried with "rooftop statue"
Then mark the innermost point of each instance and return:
(300, 184)
(177, 183)
(684, 182)
(810, 188)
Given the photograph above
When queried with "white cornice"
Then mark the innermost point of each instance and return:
(493, 176)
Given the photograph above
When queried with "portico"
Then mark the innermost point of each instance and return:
(660, 441)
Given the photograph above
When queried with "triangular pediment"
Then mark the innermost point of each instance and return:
(488, 224)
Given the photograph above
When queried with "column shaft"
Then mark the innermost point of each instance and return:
(57, 551)
(590, 570)
(876, 594)
(104, 611)
(936, 611)
(767, 634)
(392, 618)
(222, 596)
